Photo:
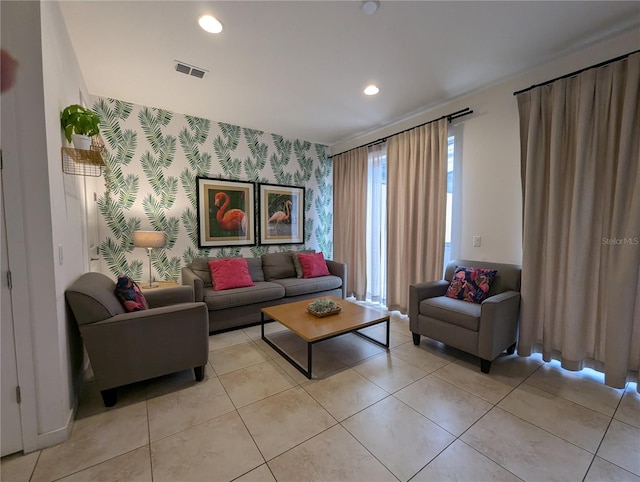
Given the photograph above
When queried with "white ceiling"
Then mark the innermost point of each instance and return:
(298, 68)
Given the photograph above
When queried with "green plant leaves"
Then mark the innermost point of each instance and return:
(152, 159)
(76, 119)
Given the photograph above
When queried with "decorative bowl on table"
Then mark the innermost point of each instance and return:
(323, 307)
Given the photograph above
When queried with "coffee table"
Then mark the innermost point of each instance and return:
(312, 329)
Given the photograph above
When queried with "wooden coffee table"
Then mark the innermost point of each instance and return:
(313, 330)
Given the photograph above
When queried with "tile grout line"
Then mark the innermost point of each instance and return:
(604, 436)
(146, 404)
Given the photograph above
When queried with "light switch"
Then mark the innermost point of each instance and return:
(477, 240)
(60, 256)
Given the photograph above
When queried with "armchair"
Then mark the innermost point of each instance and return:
(484, 330)
(172, 335)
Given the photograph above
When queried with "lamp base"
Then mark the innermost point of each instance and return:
(149, 285)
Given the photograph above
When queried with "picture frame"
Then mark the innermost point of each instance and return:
(281, 214)
(226, 213)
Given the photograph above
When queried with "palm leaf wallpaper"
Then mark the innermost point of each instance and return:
(153, 157)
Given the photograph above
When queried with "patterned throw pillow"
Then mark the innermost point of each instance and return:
(129, 294)
(313, 265)
(471, 284)
(228, 273)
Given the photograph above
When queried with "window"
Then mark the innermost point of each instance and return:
(377, 224)
(452, 233)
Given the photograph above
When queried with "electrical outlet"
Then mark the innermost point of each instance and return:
(477, 241)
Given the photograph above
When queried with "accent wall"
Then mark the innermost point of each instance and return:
(153, 157)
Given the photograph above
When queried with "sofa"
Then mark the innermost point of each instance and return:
(127, 347)
(277, 278)
(483, 329)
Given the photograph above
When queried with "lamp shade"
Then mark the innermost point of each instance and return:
(149, 239)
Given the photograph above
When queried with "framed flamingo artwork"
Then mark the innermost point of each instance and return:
(281, 214)
(226, 213)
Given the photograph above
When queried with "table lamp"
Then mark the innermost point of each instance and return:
(149, 240)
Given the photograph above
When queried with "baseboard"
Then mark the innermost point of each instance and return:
(54, 437)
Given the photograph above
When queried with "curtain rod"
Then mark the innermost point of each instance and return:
(449, 117)
(595, 66)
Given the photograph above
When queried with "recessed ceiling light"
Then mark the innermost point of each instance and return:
(370, 6)
(371, 90)
(210, 24)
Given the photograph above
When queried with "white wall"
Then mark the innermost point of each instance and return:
(43, 211)
(64, 85)
(491, 196)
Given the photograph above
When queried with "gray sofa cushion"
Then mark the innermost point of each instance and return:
(200, 266)
(278, 266)
(262, 291)
(255, 269)
(457, 312)
(296, 287)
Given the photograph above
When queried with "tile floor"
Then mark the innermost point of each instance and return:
(422, 413)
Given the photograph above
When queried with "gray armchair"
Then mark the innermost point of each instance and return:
(172, 335)
(484, 330)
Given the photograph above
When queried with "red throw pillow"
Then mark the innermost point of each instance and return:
(313, 265)
(227, 273)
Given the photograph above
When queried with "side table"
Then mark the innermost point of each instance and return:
(161, 284)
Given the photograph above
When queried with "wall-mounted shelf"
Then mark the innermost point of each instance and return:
(82, 162)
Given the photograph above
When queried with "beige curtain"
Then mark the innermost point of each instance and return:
(416, 207)
(349, 217)
(580, 152)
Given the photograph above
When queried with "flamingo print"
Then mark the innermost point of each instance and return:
(280, 216)
(231, 220)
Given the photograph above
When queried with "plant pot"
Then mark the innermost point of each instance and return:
(81, 142)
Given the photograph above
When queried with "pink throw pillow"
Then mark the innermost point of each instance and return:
(471, 284)
(227, 273)
(313, 265)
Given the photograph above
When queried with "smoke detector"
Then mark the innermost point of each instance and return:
(187, 69)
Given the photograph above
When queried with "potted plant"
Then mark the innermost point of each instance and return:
(81, 124)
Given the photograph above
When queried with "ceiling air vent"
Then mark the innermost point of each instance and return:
(185, 68)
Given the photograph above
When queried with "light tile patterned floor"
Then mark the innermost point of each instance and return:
(415, 413)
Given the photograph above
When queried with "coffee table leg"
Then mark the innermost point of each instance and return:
(388, 321)
(262, 325)
(373, 340)
(295, 364)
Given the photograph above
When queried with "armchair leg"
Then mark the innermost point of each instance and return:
(512, 349)
(109, 397)
(485, 365)
(199, 373)
(416, 339)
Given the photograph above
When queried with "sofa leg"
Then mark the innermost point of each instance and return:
(485, 365)
(416, 339)
(109, 397)
(199, 373)
(512, 349)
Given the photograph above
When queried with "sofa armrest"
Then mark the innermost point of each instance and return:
(189, 278)
(339, 269)
(422, 291)
(498, 323)
(169, 296)
(136, 346)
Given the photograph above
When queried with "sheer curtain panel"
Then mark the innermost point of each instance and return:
(580, 155)
(377, 224)
(416, 205)
(349, 217)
